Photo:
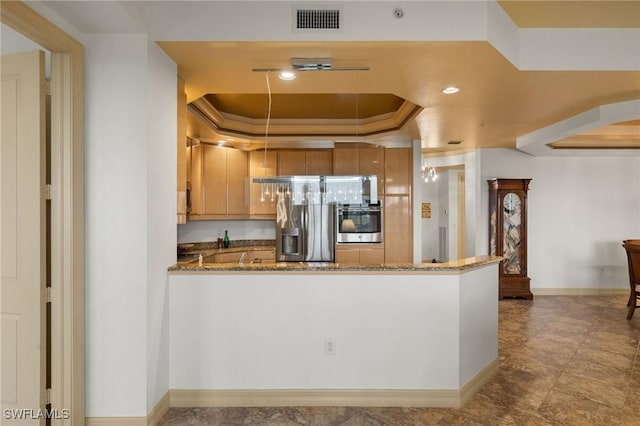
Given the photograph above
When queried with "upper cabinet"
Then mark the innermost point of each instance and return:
(218, 182)
(360, 161)
(398, 171)
(261, 164)
(317, 162)
(182, 151)
(222, 187)
(398, 217)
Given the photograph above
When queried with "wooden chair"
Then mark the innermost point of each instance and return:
(633, 255)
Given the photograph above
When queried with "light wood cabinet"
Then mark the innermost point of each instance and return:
(214, 180)
(237, 172)
(264, 255)
(261, 165)
(371, 256)
(360, 161)
(249, 256)
(398, 229)
(398, 171)
(299, 162)
(291, 163)
(346, 161)
(347, 255)
(182, 154)
(196, 180)
(218, 182)
(319, 163)
(364, 254)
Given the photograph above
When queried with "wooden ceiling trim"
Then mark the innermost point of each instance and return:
(255, 128)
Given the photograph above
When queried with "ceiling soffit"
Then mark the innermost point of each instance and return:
(573, 14)
(381, 113)
(623, 135)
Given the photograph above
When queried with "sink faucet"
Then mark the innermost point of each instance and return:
(241, 260)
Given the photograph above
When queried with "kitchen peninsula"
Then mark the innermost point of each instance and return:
(295, 333)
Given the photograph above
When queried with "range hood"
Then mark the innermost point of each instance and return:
(347, 189)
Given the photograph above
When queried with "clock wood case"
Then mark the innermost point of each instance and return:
(508, 235)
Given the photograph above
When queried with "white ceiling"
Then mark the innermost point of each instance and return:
(515, 81)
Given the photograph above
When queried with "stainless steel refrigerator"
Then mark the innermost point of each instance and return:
(305, 221)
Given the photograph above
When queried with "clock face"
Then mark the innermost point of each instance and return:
(511, 202)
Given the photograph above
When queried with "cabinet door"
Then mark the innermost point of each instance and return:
(372, 256)
(265, 255)
(372, 163)
(182, 172)
(233, 257)
(291, 163)
(345, 161)
(318, 163)
(347, 255)
(214, 180)
(398, 229)
(260, 205)
(237, 171)
(398, 171)
(196, 179)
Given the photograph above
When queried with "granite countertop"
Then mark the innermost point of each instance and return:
(450, 267)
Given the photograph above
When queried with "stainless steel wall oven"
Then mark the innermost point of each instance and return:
(362, 223)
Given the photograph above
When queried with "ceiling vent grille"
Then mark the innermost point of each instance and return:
(317, 19)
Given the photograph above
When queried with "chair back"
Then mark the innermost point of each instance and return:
(633, 255)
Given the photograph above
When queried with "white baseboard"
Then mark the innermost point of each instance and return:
(579, 291)
(152, 419)
(113, 421)
(332, 397)
(304, 397)
(478, 381)
(159, 410)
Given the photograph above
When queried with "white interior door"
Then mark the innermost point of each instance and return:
(22, 230)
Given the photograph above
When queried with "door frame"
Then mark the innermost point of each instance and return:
(461, 215)
(67, 201)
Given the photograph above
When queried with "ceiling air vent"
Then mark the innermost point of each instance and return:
(317, 19)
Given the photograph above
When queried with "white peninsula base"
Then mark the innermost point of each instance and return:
(427, 338)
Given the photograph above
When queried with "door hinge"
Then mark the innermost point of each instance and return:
(47, 87)
(49, 299)
(48, 395)
(47, 191)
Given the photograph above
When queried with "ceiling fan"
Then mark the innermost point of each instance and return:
(312, 64)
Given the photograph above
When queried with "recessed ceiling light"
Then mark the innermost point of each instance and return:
(287, 75)
(450, 90)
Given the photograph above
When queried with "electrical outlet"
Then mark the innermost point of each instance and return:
(329, 345)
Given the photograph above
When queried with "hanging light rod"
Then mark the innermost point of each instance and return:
(312, 64)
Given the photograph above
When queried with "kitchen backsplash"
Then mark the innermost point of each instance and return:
(211, 230)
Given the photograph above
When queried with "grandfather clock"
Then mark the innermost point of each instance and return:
(508, 235)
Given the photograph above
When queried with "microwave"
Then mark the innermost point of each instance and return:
(359, 223)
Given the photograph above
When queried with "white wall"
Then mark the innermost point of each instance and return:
(116, 212)
(130, 179)
(398, 331)
(161, 219)
(430, 238)
(211, 230)
(472, 183)
(580, 210)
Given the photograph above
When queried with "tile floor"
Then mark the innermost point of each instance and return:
(563, 361)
